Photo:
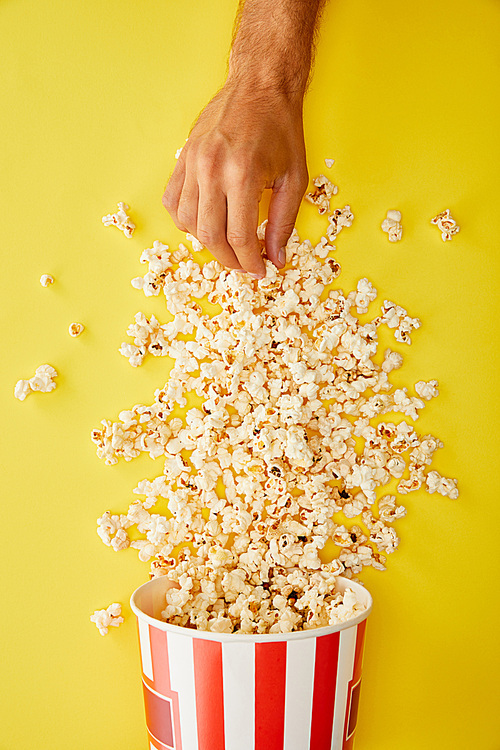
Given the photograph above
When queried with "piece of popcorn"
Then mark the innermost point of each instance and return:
(120, 220)
(181, 254)
(446, 224)
(428, 389)
(22, 389)
(392, 225)
(323, 193)
(106, 618)
(437, 483)
(340, 218)
(329, 163)
(46, 279)
(42, 380)
(196, 244)
(75, 329)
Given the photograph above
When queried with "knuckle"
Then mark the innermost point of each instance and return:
(209, 163)
(208, 237)
(240, 239)
(241, 172)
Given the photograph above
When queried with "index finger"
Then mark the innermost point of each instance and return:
(242, 223)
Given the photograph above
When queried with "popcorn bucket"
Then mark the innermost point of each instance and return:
(219, 691)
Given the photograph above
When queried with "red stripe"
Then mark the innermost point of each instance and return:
(354, 685)
(325, 677)
(270, 685)
(358, 656)
(207, 657)
(159, 654)
(156, 743)
(159, 720)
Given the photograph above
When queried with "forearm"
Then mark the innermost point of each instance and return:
(273, 45)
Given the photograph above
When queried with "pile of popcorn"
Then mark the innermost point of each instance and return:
(289, 440)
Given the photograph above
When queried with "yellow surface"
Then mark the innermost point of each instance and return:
(95, 99)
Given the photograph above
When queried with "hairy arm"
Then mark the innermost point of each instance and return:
(250, 138)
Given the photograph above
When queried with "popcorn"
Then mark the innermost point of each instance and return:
(437, 483)
(392, 225)
(46, 279)
(340, 218)
(22, 389)
(323, 193)
(120, 220)
(75, 329)
(42, 380)
(427, 390)
(446, 224)
(286, 434)
(197, 245)
(329, 163)
(105, 618)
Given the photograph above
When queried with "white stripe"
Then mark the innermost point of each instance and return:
(180, 658)
(147, 663)
(238, 669)
(347, 650)
(300, 659)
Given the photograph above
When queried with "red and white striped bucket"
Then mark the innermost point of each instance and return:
(218, 691)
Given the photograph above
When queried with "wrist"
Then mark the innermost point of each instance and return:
(264, 84)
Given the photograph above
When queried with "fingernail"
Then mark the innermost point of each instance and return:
(240, 270)
(282, 256)
(258, 275)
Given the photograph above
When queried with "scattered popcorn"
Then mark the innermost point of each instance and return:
(197, 245)
(75, 329)
(397, 317)
(105, 618)
(392, 225)
(120, 220)
(446, 224)
(329, 163)
(42, 380)
(340, 218)
(286, 436)
(46, 279)
(323, 193)
(436, 483)
(427, 390)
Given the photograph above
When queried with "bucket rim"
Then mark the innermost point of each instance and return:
(252, 637)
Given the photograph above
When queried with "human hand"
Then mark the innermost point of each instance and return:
(243, 142)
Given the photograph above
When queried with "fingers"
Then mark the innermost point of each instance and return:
(187, 208)
(211, 227)
(241, 233)
(283, 210)
(170, 198)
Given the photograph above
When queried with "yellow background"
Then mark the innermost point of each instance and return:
(95, 99)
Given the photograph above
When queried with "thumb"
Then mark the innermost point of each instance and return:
(283, 210)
